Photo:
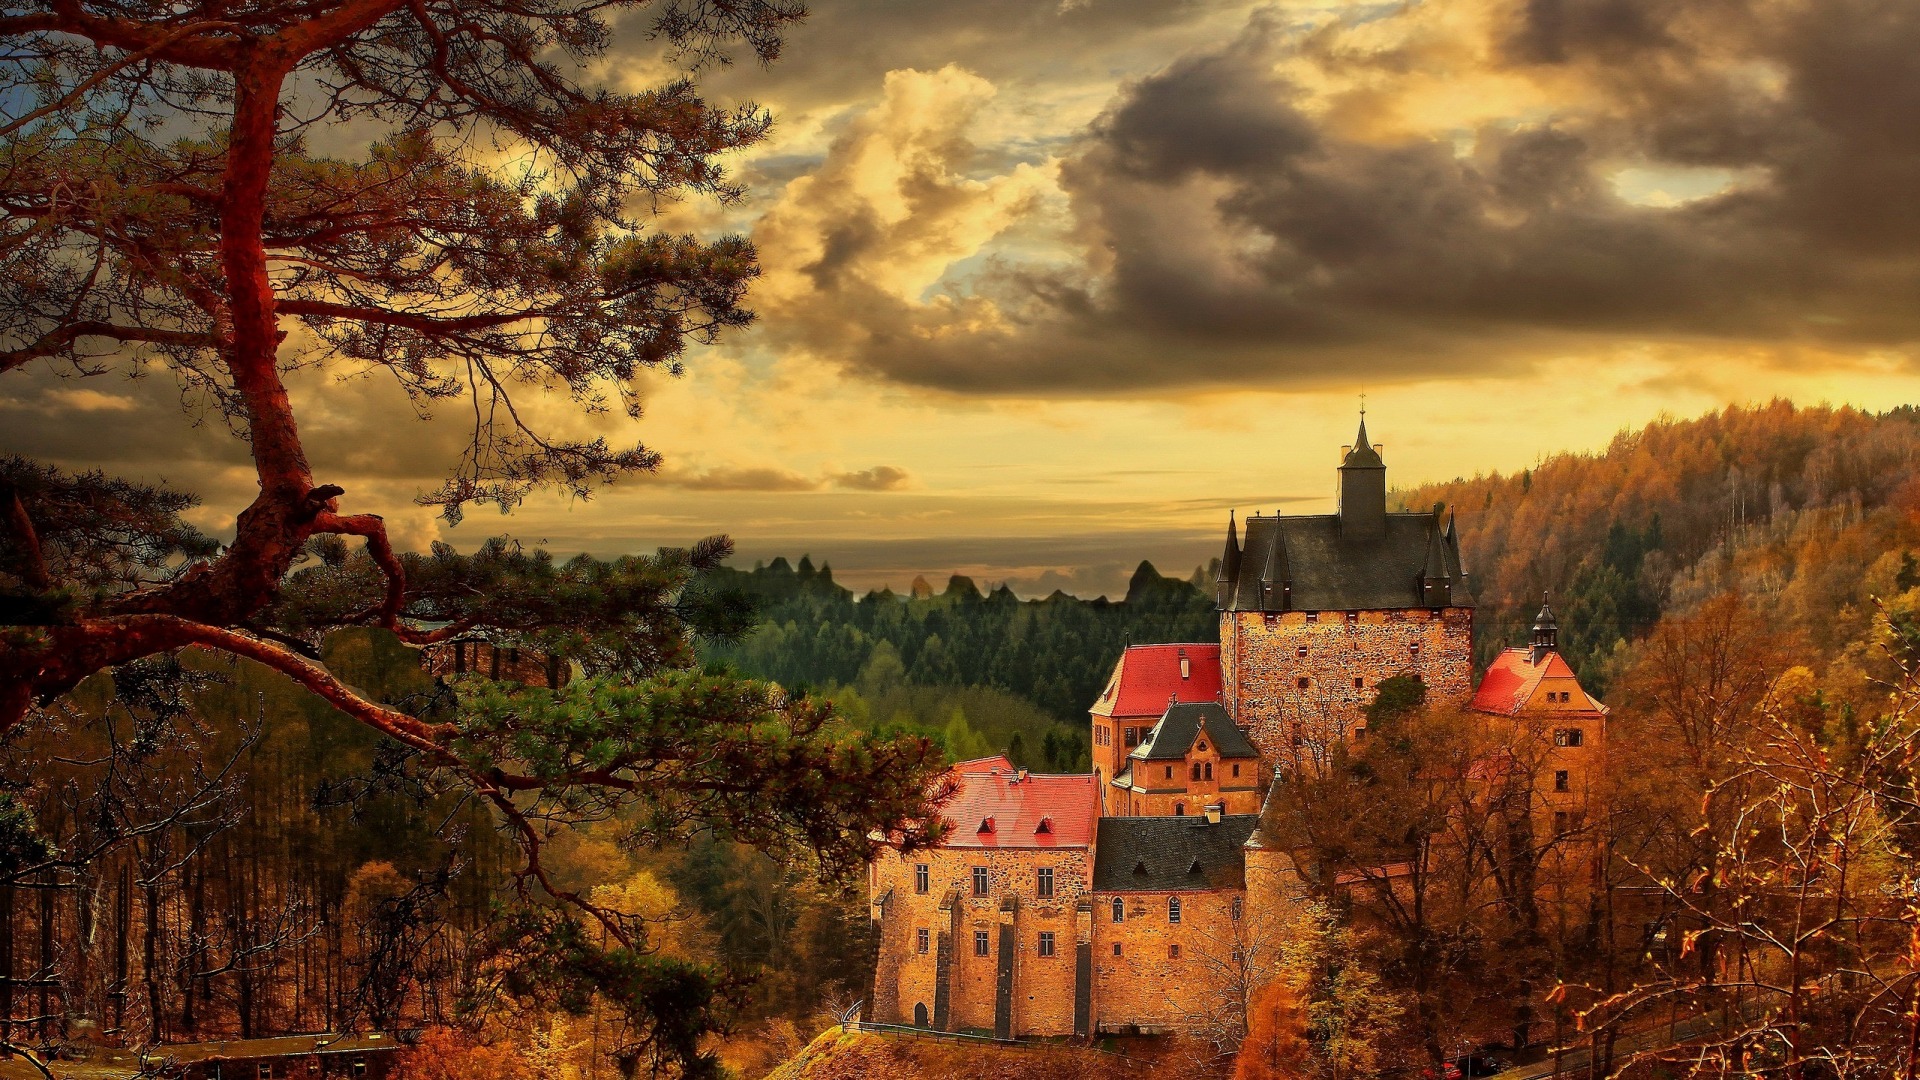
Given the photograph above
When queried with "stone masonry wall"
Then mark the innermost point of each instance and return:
(1146, 987)
(1342, 662)
(1043, 987)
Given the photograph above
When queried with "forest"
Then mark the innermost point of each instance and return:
(982, 672)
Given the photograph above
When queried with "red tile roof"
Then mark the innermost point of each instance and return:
(1511, 681)
(1017, 806)
(1148, 677)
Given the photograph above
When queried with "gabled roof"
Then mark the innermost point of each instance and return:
(1148, 676)
(1513, 677)
(1171, 854)
(998, 807)
(1180, 726)
(983, 764)
(1315, 566)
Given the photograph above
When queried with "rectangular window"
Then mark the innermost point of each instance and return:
(1359, 683)
(922, 939)
(1173, 952)
(1236, 768)
(979, 881)
(1571, 736)
(1561, 780)
(1043, 882)
(921, 881)
(1116, 948)
(1300, 652)
(1046, 943)
(1353, 618)
(981, 945)
(1414, 648)
(1303, 682)
(1169, 772)
(1559, 821)
(1313, 616)
(1133, 736)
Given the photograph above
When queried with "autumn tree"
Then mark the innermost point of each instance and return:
(1275, 1047)
(165, 210)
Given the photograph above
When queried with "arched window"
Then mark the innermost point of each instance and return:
(1209, 770)
(1119, 910)
(1173, 909)
(1196, 770)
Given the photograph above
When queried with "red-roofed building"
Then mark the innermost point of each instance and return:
(988, 929)
(1536, 688)
(1145, 681)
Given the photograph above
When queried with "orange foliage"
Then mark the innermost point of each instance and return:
(442, 1054)
(1276, 1044)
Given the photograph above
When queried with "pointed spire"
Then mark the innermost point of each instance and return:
(1546, 631)
(1276, 577)
(1436, 577)
(1226, 583)
(1363, 455)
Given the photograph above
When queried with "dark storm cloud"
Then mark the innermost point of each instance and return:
(1234, 237)
(878, 478)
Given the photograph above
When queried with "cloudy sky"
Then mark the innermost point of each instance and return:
(1052, 284)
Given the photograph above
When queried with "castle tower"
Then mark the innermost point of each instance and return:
(1320, 609)
(1362, 494)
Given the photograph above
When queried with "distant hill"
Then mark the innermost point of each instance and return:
(1810, 512)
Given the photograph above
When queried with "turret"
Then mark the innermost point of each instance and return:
(1546, 633)
(1363, 489)
(1276, 578)
(1229, 576)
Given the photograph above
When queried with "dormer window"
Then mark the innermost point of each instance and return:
(1045, 828)
(1186, 666)
(986, 826)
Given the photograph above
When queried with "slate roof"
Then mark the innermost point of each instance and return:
(1180, 726)
(1016, 807)
(1513, 677)
(1147, 676)
(1314, 566)
(1171, 854)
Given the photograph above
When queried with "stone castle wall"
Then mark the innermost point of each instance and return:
(1298, 681)
(1042, 995)
(1145, 986)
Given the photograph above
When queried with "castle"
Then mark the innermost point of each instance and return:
(1108, 901)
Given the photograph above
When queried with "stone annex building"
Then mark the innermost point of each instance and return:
(1108, 902)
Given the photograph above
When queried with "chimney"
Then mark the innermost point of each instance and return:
(1213, 814)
